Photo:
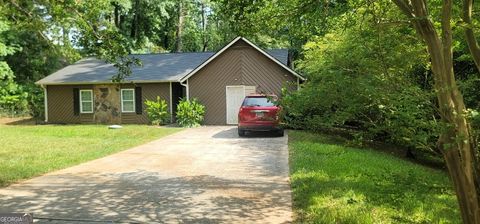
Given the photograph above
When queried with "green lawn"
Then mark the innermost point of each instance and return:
(29, 150)
(332, 183)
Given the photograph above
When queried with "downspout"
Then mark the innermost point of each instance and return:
(45, 101)
(186, 89)
(171, 105)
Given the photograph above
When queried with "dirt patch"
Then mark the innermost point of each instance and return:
(18, 121)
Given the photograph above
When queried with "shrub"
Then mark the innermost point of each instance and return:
(157, 111)
(353, 87)
(404, 116)
(12, 96)
(190, 113)
(35, 100)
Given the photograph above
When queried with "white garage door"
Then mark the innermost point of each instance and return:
(235, 96)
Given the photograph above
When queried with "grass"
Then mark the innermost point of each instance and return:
(29, 150)
(332, 183)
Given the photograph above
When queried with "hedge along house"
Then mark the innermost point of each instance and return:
(84, 93)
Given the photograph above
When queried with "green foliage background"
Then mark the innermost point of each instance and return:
(371, 75)
(12, 96)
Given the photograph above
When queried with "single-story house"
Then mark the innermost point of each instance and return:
(84, 93)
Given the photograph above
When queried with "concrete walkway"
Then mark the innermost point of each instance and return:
(201, 175)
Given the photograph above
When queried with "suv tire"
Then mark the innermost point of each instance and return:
(241, 132)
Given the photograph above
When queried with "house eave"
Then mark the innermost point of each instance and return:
(104, 82)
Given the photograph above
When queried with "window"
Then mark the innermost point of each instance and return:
(258, 102)
(128, 100)
(86, 101)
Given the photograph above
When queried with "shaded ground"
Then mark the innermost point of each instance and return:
(334, 183)
(18, 120)
(202, 175)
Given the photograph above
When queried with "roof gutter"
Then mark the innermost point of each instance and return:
(103, 82)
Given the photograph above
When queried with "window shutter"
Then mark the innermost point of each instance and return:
(76, 101)
(138, 100)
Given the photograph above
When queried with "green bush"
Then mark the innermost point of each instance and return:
(190, 113)
(157, 111)
(12, 95)
(403, 116)
(36, 103)
(362, 84)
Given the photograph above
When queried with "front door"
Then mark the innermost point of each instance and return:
(235, 96)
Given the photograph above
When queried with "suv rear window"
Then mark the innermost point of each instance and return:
(258, 102)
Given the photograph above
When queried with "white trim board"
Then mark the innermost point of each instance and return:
(45, 102)
(187, 90)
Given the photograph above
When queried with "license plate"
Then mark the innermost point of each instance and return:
(259, 114)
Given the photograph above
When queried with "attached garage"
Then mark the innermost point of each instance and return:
(219, 80)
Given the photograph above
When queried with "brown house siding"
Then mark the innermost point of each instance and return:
(60, 103)
(241, 64)
(150, 91)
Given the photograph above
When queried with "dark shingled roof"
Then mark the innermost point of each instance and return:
(167, 67)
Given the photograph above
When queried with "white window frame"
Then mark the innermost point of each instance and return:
(86, 101)
(133, 100)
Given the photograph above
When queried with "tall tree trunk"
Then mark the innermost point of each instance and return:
(121, 21)
(66, 36)
(134, 27)
(116, 14)
(166, 41)
(204, 28)
(455, 142)
(179, 33)
(469, 34)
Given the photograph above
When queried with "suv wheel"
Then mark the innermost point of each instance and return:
(241, 132)
(280, 133)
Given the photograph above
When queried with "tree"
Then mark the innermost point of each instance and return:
(180, 24)
(239, 17)
(12, 97)
(94, 33)
(298, 21)
(359, 77)
(469, 32)
(456, 143)
(204, 25)
(282, 24)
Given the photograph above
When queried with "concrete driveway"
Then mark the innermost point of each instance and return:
(200, 175)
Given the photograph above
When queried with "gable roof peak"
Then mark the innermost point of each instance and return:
(252, 45)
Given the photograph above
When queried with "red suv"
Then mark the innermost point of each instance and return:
(259, 113)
